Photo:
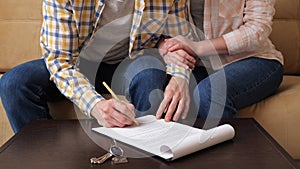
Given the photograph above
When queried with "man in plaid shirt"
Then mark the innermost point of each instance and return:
(72, 28)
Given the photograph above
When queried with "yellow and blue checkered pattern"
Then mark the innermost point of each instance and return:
(68, 25)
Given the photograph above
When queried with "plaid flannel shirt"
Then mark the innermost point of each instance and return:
(69, 25)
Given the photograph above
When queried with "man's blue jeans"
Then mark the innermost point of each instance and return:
(26, 89)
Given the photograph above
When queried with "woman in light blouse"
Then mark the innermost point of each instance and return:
(234, 62)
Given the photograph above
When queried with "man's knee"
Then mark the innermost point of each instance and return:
(8, 83)
(30, 73)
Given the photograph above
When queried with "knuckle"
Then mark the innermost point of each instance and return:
(106, 117)
(182, 59)
(123, 119)
(177, 96)
(131, 107)
(110, 102)
(109, 125)
(105, 109)
(121, 125)
(167, 95)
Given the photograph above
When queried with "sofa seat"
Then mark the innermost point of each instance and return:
(280, 114)
(5, 129)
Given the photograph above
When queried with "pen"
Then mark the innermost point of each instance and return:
(117, 98)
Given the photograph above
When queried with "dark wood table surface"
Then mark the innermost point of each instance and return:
(53, 144)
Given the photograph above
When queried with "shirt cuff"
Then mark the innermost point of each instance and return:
(235, 42)
(87, 102)
(178, 71)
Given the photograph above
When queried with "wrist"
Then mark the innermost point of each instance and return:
(199, 48)
(178, 71)
(216, 46)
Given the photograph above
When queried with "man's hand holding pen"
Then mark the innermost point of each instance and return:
(113, 113)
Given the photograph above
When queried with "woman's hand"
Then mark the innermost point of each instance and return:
(180, 42)
(174, 52)
(176, 100)
(180, 58)
(209, 47)
(110, 113)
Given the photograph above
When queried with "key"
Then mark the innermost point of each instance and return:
(101, 159)
(114, 150)
(119, 160)
(118, 153)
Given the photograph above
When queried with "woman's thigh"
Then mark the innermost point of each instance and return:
(252, 80)
(238, 85)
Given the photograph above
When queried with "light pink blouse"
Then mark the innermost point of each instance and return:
(245, 26)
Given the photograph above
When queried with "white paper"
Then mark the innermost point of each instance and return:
(169, 140)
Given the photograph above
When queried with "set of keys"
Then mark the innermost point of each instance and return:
(114, 151)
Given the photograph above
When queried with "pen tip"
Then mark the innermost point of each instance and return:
(136, 122)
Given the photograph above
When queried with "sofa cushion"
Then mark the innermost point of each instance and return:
(280, 114)
(5, 129)
(21, 45)
(20, 24)
(288, 43)
(286, 33)
(287, 9)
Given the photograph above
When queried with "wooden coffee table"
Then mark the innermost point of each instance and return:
(65, 144)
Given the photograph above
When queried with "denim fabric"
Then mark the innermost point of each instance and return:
(237, 85)
(142, 81)
(26, 89)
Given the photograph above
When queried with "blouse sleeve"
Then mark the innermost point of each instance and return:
(254, 33)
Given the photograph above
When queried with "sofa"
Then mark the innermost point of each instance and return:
(20, 23)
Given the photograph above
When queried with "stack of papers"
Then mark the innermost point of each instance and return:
(169, 140)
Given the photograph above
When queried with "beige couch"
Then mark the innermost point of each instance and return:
(280, 114)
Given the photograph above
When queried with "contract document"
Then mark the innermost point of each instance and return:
(169, 140)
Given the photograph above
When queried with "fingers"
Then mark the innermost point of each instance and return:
(179, 43)
(186, 108)
(173, 47)
(173, 58)
(186, 59)
(112, 113)
(123, 114)
(180, 108)
(176, 101)
(163, 50)
(175, 97)
(176, 107)
(124, 108)
(163, 107)
(180, 58)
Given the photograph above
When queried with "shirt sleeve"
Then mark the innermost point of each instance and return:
(59, 43)
(178, 71)
(254, 33)
(178, 24)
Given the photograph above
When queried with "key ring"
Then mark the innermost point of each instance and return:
(116, 150)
